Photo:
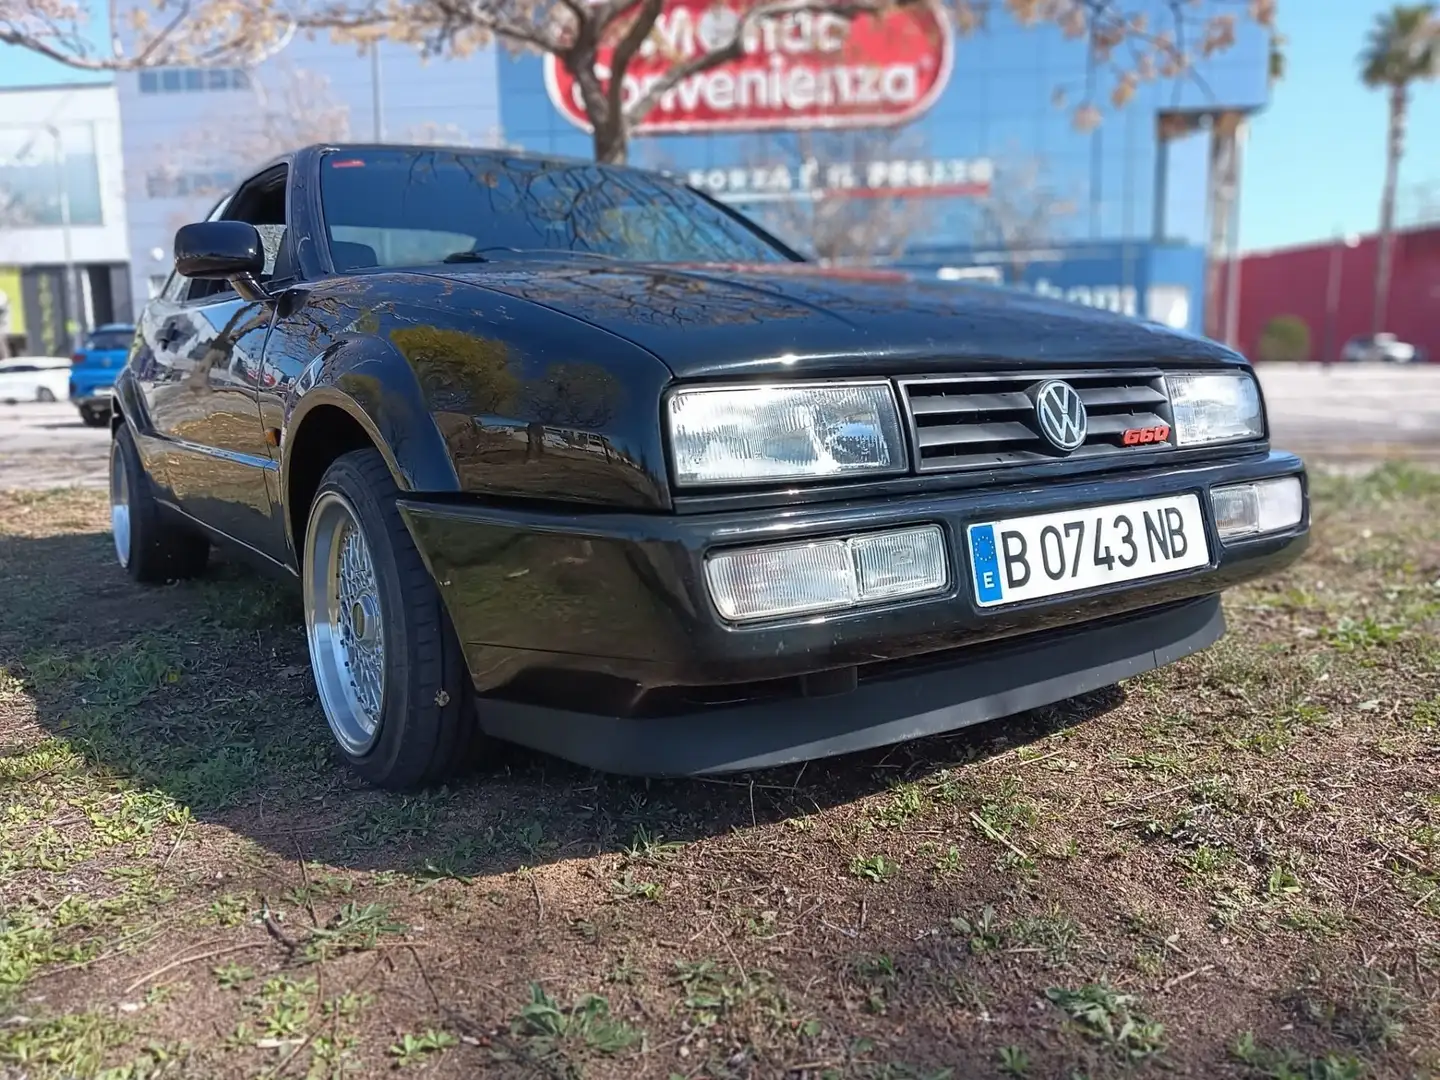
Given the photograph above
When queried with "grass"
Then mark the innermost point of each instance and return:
(1230, 867)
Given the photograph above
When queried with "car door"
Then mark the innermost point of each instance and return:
(17, 382)
(207, 342)
(54, 378)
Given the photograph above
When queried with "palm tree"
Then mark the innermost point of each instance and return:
(1403, 47)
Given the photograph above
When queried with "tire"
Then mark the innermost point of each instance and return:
(149, 547)
(408, 719)
(45, 394)
(95, 417)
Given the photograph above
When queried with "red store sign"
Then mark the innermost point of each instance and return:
(801, 69)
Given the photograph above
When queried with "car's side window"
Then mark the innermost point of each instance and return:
(261, 202)
(175, 286)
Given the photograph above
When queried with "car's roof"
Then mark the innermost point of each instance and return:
(35, 361)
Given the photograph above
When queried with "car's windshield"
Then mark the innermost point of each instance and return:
(105, 340)
(412, 207)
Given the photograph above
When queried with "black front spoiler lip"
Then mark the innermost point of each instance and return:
(984, 683)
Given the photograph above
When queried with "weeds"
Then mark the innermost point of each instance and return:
(876, 868)
(651, 847)
(1273, 1064)
(627, 887)
(1054, 934)
(558, 1030)
(906, 803)
(67, 1046)
(354, 928)
(982, 931)
(1364, 1006)
(1110, 1018)
(412, 1049)
(1014, 1061)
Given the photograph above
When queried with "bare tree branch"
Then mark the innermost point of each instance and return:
(1022, 212)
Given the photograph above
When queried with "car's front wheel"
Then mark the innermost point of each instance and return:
(94, 417)
(45, 394)
(149, 547)
(388, 668)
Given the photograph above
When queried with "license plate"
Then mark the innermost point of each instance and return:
(1049, 554)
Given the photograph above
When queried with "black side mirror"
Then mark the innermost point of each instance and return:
(219, 250)
(222, 251)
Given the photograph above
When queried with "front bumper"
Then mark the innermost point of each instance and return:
(604, 622)
(91, 396)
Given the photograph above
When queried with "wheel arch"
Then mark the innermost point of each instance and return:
(126, 404)
(380, 408)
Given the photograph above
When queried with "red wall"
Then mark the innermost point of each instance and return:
(1294, 281)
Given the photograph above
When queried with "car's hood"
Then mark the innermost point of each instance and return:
(751, 320)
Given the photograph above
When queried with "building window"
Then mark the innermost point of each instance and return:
(193, 80)
(29, 167)
(170, 184)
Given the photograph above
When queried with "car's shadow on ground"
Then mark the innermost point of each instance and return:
(202, 691)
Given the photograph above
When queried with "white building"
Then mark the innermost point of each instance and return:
(190, 133)
(62, 201)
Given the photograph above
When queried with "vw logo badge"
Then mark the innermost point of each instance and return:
(1061, 414)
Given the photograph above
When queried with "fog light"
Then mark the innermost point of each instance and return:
(827, 575)
(1262, 507)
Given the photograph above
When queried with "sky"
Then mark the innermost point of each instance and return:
(1315, 159)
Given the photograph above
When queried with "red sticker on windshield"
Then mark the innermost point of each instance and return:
(348, 163)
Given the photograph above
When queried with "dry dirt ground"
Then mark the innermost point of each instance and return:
(1227, 869)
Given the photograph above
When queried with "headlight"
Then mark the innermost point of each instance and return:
(751, 434)
(1211, 408)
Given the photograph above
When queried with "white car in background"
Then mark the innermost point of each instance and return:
(34, 378)
(1381, 348)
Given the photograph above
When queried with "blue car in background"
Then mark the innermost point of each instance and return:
(93, 370)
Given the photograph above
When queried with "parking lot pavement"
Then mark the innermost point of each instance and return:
(45, 446)
(1354, 410)
(1349, 412)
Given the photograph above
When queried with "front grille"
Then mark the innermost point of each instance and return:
(983, 421)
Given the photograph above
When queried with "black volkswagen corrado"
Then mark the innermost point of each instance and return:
(575, 456)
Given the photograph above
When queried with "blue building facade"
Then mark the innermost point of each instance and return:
(1001, 178)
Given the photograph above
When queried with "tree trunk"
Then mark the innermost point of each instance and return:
(1385, 254)
(612, 141)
